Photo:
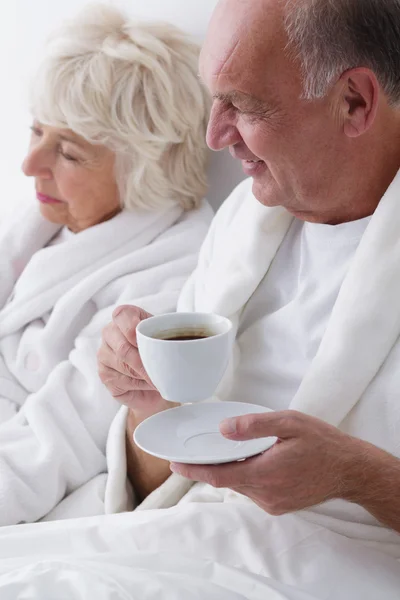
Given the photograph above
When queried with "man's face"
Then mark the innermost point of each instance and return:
(294, 149)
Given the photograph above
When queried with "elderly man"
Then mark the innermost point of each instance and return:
(304, 257)
(325, 146)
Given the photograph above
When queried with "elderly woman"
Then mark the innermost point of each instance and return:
(118, 157)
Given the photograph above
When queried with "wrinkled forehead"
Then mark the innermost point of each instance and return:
(244, 45)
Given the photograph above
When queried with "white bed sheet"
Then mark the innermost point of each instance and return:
(192, 551)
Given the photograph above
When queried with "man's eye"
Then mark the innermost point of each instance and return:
(247, 112)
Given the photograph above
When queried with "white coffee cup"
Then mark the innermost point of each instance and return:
(187, 370)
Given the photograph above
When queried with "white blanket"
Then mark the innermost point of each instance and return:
(194, 551)
(54, 302)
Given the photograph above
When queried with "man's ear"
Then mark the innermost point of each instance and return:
(359, 100)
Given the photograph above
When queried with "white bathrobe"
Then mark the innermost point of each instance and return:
(353, 382)
(54, 302)
(216, 544)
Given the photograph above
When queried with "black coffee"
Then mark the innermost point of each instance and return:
(185, 338)
(183, 335)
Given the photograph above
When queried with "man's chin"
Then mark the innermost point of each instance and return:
(266, 193)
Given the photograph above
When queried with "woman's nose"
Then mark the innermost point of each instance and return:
(222, 131)
(37, 163)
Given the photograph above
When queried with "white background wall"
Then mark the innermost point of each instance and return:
(24, 27)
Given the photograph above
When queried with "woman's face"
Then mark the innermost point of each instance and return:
(75, 181)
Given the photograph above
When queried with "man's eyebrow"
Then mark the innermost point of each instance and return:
(251, 102)
(239, 98)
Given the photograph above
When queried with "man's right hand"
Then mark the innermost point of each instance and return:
(122, 371)
(120, 367)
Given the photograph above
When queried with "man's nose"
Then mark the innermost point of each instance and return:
(222, 131)
(37, 163)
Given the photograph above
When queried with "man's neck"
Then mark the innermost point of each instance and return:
(366, 192)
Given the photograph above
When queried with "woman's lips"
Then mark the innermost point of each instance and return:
(47, 199)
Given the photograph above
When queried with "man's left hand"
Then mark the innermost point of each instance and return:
(312, 462)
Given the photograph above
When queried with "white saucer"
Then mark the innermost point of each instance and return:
(190, 434)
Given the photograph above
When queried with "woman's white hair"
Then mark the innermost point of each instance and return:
(134, 88)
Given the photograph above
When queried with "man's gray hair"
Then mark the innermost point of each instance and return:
(134, 88)
(331, 36)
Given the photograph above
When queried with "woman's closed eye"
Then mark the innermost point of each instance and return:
(36, 131)
(68, 156)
